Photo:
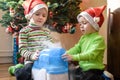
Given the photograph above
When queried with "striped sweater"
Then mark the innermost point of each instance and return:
(32, 39)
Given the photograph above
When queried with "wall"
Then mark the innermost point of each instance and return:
(113, 4)
(5, 45)
(68, 40)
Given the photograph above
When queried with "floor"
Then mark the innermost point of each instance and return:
(4, 75)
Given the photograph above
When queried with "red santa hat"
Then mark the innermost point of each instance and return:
(94, 16)
(31, 6)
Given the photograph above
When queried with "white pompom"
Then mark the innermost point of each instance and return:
(27, 16)
(96, 19)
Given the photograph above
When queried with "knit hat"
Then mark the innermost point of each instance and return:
(31, 6)
(94, 16)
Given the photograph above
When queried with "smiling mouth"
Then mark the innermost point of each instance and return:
(39, 21)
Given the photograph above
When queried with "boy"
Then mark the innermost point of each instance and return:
(89, 50)
(32, 38)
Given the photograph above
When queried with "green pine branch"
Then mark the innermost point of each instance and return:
(62, 12)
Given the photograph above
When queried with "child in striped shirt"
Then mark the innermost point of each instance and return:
(32, 38)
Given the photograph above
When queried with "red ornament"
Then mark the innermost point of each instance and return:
(9, 29)
(51, 14)
(64, 29)
(54, 24)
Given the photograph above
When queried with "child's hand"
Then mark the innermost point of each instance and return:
(35, 55)
(67, 57)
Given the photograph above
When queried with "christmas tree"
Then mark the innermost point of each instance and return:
(62, 15)
(13, 18)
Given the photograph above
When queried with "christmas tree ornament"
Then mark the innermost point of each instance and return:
(12, 12)
(62, 12)
(9, 30)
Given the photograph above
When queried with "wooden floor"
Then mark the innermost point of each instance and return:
(4, 75)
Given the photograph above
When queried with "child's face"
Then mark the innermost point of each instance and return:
(39, 17)
(85, 26)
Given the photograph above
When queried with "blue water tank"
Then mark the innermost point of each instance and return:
(50, 59)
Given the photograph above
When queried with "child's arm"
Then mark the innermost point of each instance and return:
(95, 49)
(23, 46)
(68, 56)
